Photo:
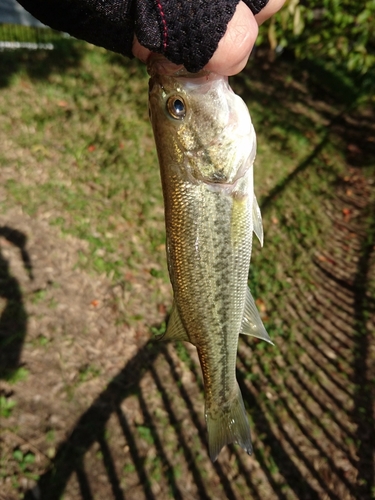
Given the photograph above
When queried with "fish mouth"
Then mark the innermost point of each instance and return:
(157, 64)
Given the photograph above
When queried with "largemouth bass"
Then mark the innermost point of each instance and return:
(206, 148)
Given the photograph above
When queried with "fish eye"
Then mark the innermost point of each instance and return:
(176, 107)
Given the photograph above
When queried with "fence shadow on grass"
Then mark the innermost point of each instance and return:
(91, 428)
(363, 378)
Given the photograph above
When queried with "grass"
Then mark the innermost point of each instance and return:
(18, 375)
(90, 122)
(100, 143)
(87, 373)
(77, 151)
(6, 406)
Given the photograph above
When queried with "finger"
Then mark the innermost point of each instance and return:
(236, 45)
(269, 10)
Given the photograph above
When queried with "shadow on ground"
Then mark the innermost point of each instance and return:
(13, 319)
(91, 428)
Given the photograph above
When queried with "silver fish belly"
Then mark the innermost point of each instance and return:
(206, 148)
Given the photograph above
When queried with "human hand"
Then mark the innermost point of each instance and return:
(236, 45)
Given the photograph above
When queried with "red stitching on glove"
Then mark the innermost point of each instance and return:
(164, 22)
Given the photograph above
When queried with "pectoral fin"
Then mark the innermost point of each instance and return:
(175, 328)
(257, 221)
(251, 321)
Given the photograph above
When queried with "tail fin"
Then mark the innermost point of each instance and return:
(228, 425)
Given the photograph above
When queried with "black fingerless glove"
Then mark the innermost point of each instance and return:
(186, 31)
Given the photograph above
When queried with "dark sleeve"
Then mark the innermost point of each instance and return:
(185, 31)
(107, 23)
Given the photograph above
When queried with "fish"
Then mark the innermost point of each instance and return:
(206, 147)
